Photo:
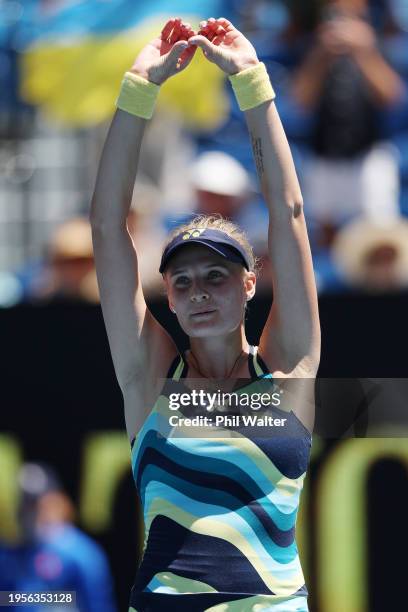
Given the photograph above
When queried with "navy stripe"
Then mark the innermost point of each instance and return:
(262, 364)
(174, 365)
(251, 367)
(196, 602)
(238, 496)
(198, 557)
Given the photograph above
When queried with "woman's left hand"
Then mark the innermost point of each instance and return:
(225, 46)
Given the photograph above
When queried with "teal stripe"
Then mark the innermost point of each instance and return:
(286, 570)
(223, 498)
(221, 502)
(231, 462)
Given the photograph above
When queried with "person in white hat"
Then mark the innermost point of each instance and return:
(220, 182)
(373, 257)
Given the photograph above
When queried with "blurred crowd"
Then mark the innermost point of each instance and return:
(340, 70)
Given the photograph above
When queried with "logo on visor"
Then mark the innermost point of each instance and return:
(193, 233)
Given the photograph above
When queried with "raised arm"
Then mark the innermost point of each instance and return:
(290, 341)
(291, 337)
(135, 337)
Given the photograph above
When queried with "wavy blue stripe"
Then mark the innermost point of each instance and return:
(191, 449)
(236, 465)
(263, 508)
(286, 570)
(283, 551)
(231, 461)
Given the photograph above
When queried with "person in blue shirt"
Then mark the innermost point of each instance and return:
(53, 554)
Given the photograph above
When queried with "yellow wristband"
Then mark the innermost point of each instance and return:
(137, 96)
(252, 87)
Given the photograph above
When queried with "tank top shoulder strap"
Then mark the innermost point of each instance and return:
(257, 366)
(178, 368)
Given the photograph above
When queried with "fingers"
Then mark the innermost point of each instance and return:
(213, 30)
(218, 32)
(186, 31)
(176, 29)
(171, 31)
(180, 55)
(187, 55)
(227, 25)
(211, 25)
(217, 40)
(206, 45)
(174, 55)
(168, 28)
(207, 28)
(200, 41)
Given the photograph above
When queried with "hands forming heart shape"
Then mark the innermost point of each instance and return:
(174, 49)
(214, 30)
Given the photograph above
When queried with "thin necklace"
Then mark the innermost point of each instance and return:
(197, 367)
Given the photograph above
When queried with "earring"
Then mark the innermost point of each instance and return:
(173, 311)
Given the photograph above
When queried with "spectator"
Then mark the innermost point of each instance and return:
(373, 257)
(53, 554)
(346, 82)
(68, 272)
(221, 184)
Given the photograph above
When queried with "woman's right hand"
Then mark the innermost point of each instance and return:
(166, 55)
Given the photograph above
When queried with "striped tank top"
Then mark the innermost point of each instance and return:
(219, 513)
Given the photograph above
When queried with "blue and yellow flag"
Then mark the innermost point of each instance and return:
(76, 51)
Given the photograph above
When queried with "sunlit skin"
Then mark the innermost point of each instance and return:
(208, 294)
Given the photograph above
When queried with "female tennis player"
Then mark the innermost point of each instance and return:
(219, 512)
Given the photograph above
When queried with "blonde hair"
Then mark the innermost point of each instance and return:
(218, 222)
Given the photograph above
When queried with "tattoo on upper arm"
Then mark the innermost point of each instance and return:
(258, 155)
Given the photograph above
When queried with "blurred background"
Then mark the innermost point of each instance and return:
(340, 71)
